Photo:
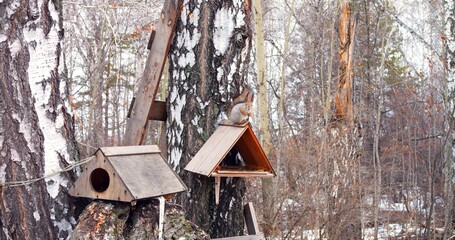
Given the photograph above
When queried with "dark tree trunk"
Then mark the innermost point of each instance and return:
(208, 66)
(36, 131)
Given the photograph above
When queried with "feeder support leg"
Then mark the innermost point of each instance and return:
(217, 189)
(161, 218)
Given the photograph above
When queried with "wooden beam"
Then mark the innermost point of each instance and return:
(148, 86)
(245, 175)
(252, 225)
(248, 237)
(152, 37)
(158, 112)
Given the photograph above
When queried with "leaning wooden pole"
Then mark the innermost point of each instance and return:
(148, 85)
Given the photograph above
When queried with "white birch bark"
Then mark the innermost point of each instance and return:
(208, 65)
(38, 137)
(449, 64)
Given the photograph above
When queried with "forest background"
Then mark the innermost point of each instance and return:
(399, 97)
(385, 171)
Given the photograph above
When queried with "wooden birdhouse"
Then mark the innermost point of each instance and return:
(208, 161)
(127, 174)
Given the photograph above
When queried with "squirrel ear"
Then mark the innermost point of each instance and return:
(250, 96)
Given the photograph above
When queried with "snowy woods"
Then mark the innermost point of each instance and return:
(354, 107)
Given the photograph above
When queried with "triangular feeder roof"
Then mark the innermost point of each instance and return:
(215, 149)
(134, 172)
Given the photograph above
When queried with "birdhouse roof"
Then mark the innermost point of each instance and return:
(129, 150)
(134, 172)
(225, 137)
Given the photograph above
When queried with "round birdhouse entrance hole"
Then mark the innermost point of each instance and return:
(99, 179)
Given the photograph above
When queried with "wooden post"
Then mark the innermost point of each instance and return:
(161, 217)
(217, 189)
(250, 219)
(150, 80)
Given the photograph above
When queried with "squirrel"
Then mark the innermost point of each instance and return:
(241, 107)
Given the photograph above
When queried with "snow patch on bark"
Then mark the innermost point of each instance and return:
(6, 233)
(195, 122)
(15, 47)
(224, 26)
(222, 116)
(178, 105)
(226, 20)
(15, 156)
(219, 74)
(191, 17)
(3, 173)
(25, 129)
(202, 104)
(12, 7)
(176, 155)
(231, 203)
(36, 216)
(187, 39)
(63, 225)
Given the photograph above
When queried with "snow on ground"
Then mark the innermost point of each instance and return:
(384, 232)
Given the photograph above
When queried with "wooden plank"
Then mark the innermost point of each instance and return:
(214, 150)
(251, 222)
(229, 123)
(129, 150)
(242, 172)
(245, 175)
(116, 190)
(249, 237)
(152, 37)
(130, 109)
(158, 111)
(147, 175)
(252, 153)
(238, 169)
(150, 80)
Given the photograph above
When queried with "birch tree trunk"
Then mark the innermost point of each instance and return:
(36, 129)
(449, 65)
(208, 66)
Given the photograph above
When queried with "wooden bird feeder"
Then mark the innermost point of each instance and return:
(127, 174)
(208, 159)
